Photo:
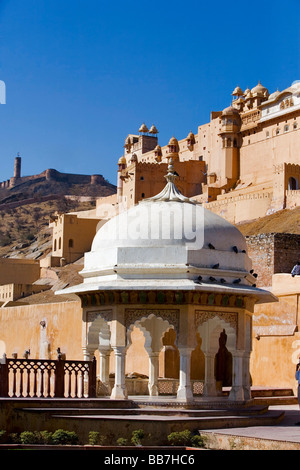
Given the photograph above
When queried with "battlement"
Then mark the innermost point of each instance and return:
(50, 175)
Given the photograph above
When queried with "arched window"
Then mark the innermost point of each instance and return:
(59, 243)
(293, 183)
(54, 249)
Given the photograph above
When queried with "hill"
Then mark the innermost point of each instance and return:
(26, 208)
(41, 186)
(284, 221)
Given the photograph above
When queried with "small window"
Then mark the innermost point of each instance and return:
(293, 184)
(59, 243)
(286, 128)
(142, 178)
(295, 125)
(143, 194)
(277, 131)
(71, 243)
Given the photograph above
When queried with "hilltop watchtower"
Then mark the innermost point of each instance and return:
(17, 170)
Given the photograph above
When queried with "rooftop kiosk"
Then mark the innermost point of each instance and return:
(168, 263)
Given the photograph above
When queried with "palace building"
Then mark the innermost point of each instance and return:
(242, 164)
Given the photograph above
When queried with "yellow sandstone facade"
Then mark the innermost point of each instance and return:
(245, 160)
(243, 164)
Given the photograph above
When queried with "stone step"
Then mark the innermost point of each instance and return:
(265, 392)
(276, 400)
(193, 413)
(271, 392)
(117, 422)
(222, 421)
(67, 403)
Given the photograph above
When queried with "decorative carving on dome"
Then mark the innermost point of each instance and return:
(237, 91)
(122, 161)
(143, 129)
(170, 191)
(158, 153)
(153, 130)
(190, 141)
(173, 148)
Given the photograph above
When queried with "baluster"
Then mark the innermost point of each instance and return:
(42, 383)
(4, 382)
(14, 383)
(21, 382)
(76, 383)
(28, 383)
(92, 378)
(34, 383)
(70, 384)
(82, 383)
(59, 383)
(48, 383)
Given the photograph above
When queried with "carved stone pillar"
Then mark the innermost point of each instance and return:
(210, 388)
(88, 354)
(104, 371)
(237, 392)
(246, 376)
(153, 373)
(119, 390)
(184, 391)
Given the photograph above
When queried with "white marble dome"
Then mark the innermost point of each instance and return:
(167, 233)
(168, 242)
(168, 238)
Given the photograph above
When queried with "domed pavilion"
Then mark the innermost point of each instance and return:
(169, 265)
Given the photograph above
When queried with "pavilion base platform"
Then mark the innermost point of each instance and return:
(157, 416)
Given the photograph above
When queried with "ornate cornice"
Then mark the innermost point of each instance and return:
(161, 297)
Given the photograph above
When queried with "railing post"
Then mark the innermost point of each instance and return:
(4, 377)
(92, 379)
(59, 380)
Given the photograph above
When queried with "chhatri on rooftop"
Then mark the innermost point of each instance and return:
(169, 242)
(169, 264)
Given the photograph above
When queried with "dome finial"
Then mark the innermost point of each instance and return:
(170, 191)
(171, 175)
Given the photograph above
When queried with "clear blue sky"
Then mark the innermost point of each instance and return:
(82, 74)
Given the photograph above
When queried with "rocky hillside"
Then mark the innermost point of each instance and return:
(285, 221)
(40, 188)
(26, 208)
